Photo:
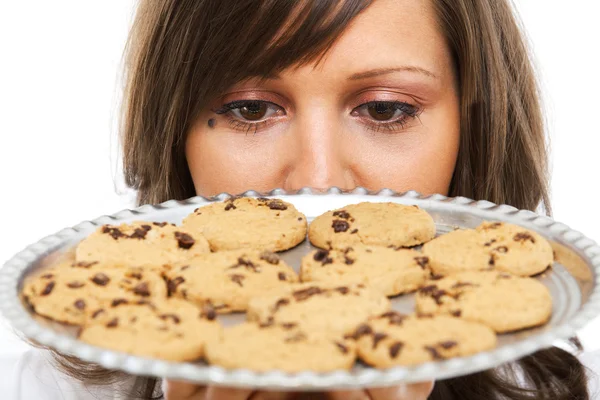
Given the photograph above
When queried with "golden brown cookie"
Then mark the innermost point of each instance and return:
(390, 270)
(395, 339)
(492, 246)
(152, 244)
(265, 224)
(381, 224)
(501, 301)
(170, 329)
(74, 292)
(279, 347)
(318, 308)
(227, 280)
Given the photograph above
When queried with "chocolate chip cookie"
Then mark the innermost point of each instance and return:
(382, 224)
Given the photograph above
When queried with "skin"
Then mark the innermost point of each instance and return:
(392, 52)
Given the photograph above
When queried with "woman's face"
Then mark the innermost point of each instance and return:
(380, 111)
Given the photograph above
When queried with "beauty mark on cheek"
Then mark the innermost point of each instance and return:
(211, 123)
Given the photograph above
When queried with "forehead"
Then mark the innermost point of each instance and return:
(387, 34)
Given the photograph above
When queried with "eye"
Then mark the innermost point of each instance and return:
(251, 110)
(385, 111)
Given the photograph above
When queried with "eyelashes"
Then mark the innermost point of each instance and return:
(254, 115)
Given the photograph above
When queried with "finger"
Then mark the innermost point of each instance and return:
(260, 395)
(348, 395)
(224, 393)
(182, 390)
(414, 391)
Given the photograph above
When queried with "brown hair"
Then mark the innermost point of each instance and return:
(183, 53)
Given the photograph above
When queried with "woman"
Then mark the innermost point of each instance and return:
(437, 96)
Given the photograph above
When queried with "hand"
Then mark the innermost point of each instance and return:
(175, 390)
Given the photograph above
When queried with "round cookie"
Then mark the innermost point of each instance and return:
(227, 280)
(390, 270)
(319, 309)
(501, 301)
(278, 347)
(501, 246)
(74, 292)
(395, 339)
(171, 330)
(382, 224)
(152, 244)
(246, 222)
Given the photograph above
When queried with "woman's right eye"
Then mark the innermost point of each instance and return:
(251, 110)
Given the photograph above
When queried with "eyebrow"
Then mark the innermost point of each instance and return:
(384, 71)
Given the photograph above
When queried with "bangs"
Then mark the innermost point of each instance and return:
(250, 39)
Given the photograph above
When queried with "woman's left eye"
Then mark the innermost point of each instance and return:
(251, 110)
(386, 111)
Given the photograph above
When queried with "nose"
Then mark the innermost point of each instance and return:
(318, 158)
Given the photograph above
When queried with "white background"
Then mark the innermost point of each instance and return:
(60, 87)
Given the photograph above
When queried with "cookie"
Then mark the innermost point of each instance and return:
(266, 224)
(278, 347)
(390, 270)
(318, 308)
(381, 224)
(74, 292)
(492, 246)
(395, 339)
(171, 330)
(153, 244)
(501, 301)
(227, 280)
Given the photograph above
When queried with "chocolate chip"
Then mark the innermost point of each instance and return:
(269, 322)
(208, 311)
(48, 288)
(348, 260)
(75, 284)
(353, 231)
(269, 257)
(323, 257)
(138, 233)
(289, 325)
(173, 317)
(438, 294)
(162, 224)
(84, 264)
(97, 312)
(136, 275)
(428, 290)
(184, 268)
(488, 244)
(378, 337)
(118, 302)
(502, 249)
(280, 303)
(523, 237)
(113, 231)
(394, 317)
(47, 276)
(244, 262)
(281, 276)
(436, 277)
(300, 295)
(141, 289)
(230, 206)
(447, 344)
(422, 261)
(173, 283)
(184, 240)
(298, 337)
(300, 219)
(237, 278)
(343, 214)
(456, 313)
(459, 285)
(79, 304)
(100, 279)
(113, 323)
(492, 260)
(340, 226)
(342, 348)
(277, 204)
(434, 353)
(342, 290)
(361, 330)
(493, 225)
(395, 349)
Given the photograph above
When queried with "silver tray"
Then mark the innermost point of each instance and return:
(573, 283)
